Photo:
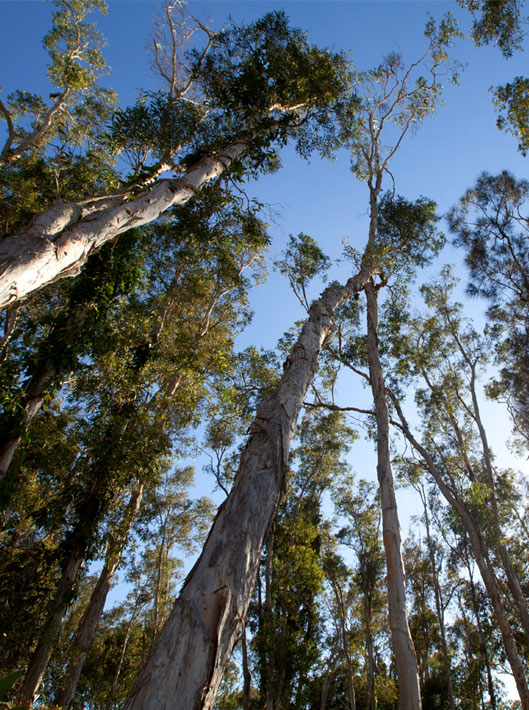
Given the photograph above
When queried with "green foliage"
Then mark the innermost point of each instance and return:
(407, 234)
(156, 127)
(490, 224)
(497, 22)
(512, 103)
(268, 65)
(301, 262)
(75, 45)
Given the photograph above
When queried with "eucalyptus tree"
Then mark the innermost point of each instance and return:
(44, 348)
(491, 223)
(285, 618)
(245, 92)
(456, 454)
(144, 392)
(76, 102)
(435, 554)
(361, 512)
(502, 23)
(395, 100)
(473, 628)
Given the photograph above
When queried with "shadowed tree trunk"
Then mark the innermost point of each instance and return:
(482, 557)
(87, 629)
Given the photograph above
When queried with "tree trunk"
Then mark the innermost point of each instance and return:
(87, 629)
(483, 562)
(58, 242)
(341, 612)
(371, 695)
(438, 603)
(245, 672)
(328, 676)
(117, 672)
(490, 684)
(77, 542)
(189, 657)
(510, 573)
(270, 670)
(41, 655)
(403, 648)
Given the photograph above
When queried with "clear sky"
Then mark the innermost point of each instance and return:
(320, 198)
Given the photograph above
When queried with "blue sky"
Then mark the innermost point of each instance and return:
(320, 198)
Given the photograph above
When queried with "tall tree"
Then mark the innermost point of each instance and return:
(490, 223)
(256, 85)
(449, 456)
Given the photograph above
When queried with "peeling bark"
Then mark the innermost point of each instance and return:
(189, 656)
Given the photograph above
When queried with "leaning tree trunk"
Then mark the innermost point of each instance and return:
(75, 546)
(87, 629)
(190, 655)
(513, 581)
(41, 655)
(481, 555)
(58, 241)
(403, 648)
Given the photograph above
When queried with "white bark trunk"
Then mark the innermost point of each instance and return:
(58, 242)
(189, 657)
(403, 648)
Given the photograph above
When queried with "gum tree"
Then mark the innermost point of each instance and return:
(211, 609)
(244, 94)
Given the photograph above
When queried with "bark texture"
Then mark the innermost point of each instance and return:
(403, 648)
(189, 656)
(58, 242)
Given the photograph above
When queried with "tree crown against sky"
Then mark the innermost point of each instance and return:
(326, 194)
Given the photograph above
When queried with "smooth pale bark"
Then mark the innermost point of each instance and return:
(190, 655)
(58, 242)
(481, 555)
(403, 648)
(88, 625)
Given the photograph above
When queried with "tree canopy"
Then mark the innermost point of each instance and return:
(261, 446)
